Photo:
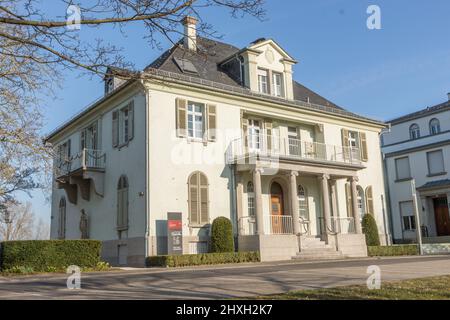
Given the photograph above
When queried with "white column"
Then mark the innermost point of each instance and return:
(356, 215)
(239, 201)
(258, 200)
(294, 202)
(325, 203)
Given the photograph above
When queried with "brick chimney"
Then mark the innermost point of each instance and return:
(190, 33)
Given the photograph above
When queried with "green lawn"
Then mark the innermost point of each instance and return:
(436, 288)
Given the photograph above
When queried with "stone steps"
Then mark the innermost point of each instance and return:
(313, 248)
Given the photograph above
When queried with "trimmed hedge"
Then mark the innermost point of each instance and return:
(370, 229)
(45, 255)
(222, 239)
(202, 259)
(394, 250)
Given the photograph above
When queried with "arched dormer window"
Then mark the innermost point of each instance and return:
(414, 131)
(198, 199)
(435, 126)
(122, 205)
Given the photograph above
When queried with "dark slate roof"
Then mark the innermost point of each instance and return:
(211, 54)
(421, 113)
(435, 184)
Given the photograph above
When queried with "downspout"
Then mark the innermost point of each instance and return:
(388, 223)
(147, 173)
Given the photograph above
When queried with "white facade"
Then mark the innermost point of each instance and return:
(330, 153)
(417, 147)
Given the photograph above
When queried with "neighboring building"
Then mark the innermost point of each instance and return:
(417, 147)
(213, 130)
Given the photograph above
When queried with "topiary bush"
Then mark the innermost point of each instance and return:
(49, 255)
(394, 250)
(370, 229)
(222, 239)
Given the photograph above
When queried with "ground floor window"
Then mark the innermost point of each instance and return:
(407, 214)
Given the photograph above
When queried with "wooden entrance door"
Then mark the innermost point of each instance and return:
(276, 201)
(441, 216)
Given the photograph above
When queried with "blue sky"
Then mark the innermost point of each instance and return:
(377, 73)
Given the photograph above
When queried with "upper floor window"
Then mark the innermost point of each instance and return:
(277, 84)
(63, 152)
(435, 161)
(89, 137)
(355, 145)
(123, 125)
(195, 120)
(198, 199)
(402, 168)
(435, 126)
(263, 81)
(109, 85)
(414, 131)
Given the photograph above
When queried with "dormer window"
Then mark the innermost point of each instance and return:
(109, 85)
(263, 81)
(277, 84)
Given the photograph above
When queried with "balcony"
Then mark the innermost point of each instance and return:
(287, 148)
(82, 169)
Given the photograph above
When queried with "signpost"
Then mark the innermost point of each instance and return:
(174, 233)
(417, 216)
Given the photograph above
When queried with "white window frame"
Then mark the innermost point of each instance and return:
(354, 143)
(407, 216)
(251, 200)
(198, 126)
(263, 81)
(361, 201)
(435, 126)
(414, 131)
(440, 151)
(278, 89)
(254, 135)
(303, 205)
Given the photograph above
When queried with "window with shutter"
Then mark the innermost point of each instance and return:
(122, 204)
(435, 163)
(198, 199)
(212, 122)
(403, 168)
(345, 144)
(269, 134)
(115, 128)
(348, 197)
(363, 146)
(181, 105)
(369, 200)
(62, 219)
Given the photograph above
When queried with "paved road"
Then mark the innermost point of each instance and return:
(220, 282)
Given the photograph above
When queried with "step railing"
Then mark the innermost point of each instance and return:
(278, 224)
(340, 225)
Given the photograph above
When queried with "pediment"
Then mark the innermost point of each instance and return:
(269, 47)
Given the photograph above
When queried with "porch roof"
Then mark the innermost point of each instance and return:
(435, 184)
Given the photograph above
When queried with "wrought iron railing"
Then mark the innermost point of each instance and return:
(278, 224)
(341, 225)
(85, 159)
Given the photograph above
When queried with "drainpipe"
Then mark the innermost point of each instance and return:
(387, 214)
(147, 173)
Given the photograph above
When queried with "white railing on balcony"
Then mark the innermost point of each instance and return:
(85, 159)
(286, 147)
(278, 224)
(341, 225)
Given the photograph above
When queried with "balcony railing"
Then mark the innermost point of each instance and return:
(273, 224)
(290, 148)
(341, 225)
(85, 159)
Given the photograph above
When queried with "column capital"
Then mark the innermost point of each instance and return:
(324, 176)
(257, 170)
(293, 174)
(353, 179)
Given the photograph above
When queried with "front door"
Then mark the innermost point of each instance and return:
(277, 213)
(441, 216)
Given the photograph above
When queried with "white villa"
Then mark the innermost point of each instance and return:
(214, 130)
(417, 148)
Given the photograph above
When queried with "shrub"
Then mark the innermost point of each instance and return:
(396, 250)
(222, 239)
(49, 255)
(370, 229)
(202, 259)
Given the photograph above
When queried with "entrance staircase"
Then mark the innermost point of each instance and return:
(312, 248)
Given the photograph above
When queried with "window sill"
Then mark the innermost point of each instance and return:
(403, 180)
(436, 174)
(200, 226)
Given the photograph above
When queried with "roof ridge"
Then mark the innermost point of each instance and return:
(411, 115)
